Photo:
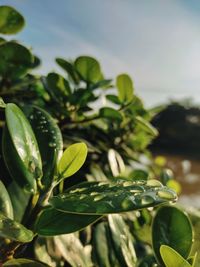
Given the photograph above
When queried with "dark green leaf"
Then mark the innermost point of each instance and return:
(101, 84)
(49, 140)
(125, 88)
(72, 160)
(11, 21)
(105, 198)
(19, 199)
(57, 86)
(15, 60)
(13, 230)
(69, 68)
(20, 145)
(24, 263)
(88, 68)
(111, 114)
(5, 202)
(114, 99)
(53, 222)
(166, 232)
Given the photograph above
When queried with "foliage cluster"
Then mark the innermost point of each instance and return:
(81, 186)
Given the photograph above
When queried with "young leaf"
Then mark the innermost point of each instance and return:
(15, 60)
(5, 202)
(13, 230)
(166, 232)
(171, 258)
(11, 21)
(53, 222)
(104, 198)
(125, 88)
(49, 139)
(24, 263)
(88, 68)
(25, 148)
(72, 160)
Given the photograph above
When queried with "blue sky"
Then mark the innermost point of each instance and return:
(156, 41)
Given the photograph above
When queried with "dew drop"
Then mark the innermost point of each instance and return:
(169, 195)
(147, 200)
(51, 144)
(154, 183)
(137, 189)
(100, 197)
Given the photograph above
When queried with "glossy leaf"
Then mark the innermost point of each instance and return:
(5, 202)
(172, 227)
(15, 60)
(122, 241)
(13, 230)
(24, 263)
(49, 139)
(11, 21)
(53, 222)
(25, 146)
(15, 165)
(125, 88)
(69, 68)
(72, 160)
(105, 198)
(171, 258)
(88, 68)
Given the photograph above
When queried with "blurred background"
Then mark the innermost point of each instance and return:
(157, 42)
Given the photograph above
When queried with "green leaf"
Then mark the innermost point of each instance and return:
(57, 87)
(5, 202)
(101, 84)
(114, 99)
(24, 263)
(2, 103)
(122, 240)
(11, 21)
(20, 149)
(88, 68)
(103, 246)
(125, 88)
(15, 60)
(166, 232)
(13, 230)
(104, 198)
(69, 68)
(72, 160)
(53, 222)
(19, 199)
(49, 139)
(171, 258)
(145, 125)
(116, 162)
(111, 114)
